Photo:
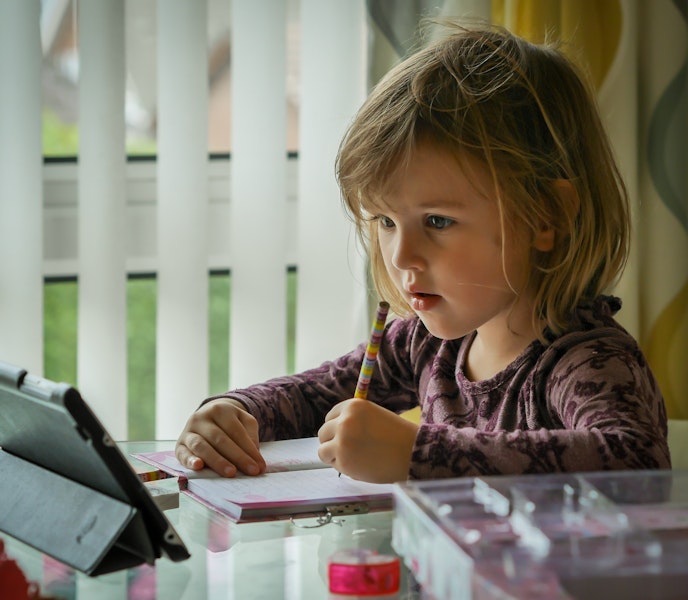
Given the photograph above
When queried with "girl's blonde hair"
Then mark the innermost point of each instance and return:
(525, 112)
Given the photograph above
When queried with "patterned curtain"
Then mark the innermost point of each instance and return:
(663, 200)
(636, 54)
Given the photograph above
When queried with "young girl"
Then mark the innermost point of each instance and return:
(480, 178)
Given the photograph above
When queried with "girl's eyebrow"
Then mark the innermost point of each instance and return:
(454, 203)
(381, 208)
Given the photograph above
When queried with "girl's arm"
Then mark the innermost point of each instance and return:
(223, 433)
(296, 405)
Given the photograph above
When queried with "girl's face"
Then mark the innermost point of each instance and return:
(441, 242)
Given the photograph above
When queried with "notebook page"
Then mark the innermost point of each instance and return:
(283, 455)
(290, 455)
(295, 489)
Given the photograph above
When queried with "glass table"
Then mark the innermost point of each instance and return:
(270, 559)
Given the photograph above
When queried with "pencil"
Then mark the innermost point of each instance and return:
(371, 351)
(370, 357)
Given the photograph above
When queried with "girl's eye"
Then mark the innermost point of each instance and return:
(386, 222)
(438, 222)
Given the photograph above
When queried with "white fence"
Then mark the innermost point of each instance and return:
(104, 217)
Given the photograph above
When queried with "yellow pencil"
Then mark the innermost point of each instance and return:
(371, 351)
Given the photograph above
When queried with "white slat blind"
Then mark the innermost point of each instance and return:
(258, 192)
(21, 192)
(259, 230)
(102, 325)
(331, 315)
(182, 320)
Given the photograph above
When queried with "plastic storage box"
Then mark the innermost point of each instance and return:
(581, 535)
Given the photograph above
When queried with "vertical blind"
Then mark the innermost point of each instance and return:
(257, 231)
(21, 192)
(332, 291)
(331, 275)
(101, 325)
(182, 330)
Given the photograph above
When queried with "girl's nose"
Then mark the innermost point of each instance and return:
(407, 252)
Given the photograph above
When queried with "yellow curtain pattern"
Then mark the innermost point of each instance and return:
(590, 29)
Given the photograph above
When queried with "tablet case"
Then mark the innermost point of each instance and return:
(65, 487)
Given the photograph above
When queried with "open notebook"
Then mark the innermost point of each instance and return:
(67, 489)
(296, 483)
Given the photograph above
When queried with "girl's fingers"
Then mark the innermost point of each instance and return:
(222, 437)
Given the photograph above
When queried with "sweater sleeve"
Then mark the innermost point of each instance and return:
(590, 407)
(295, 405)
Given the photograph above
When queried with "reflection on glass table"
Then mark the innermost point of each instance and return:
(271, 559)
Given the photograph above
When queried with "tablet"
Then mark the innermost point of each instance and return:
(67, 489)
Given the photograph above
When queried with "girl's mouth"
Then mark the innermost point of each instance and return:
(421, 301)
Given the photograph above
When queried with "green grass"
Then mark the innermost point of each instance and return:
(292, 289)
(218, 333)
(59, 318)
(141, 329)
(62, 139)
(60, 341)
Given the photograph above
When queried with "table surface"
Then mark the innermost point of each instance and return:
(272, 559)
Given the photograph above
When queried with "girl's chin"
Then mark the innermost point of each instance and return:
(440, 330)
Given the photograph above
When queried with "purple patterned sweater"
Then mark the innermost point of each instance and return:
(587, 401)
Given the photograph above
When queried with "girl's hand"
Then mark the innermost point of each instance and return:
(367, 442)
(223, 436)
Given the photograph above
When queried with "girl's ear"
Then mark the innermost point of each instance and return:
(543, 240)
(569, 202)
